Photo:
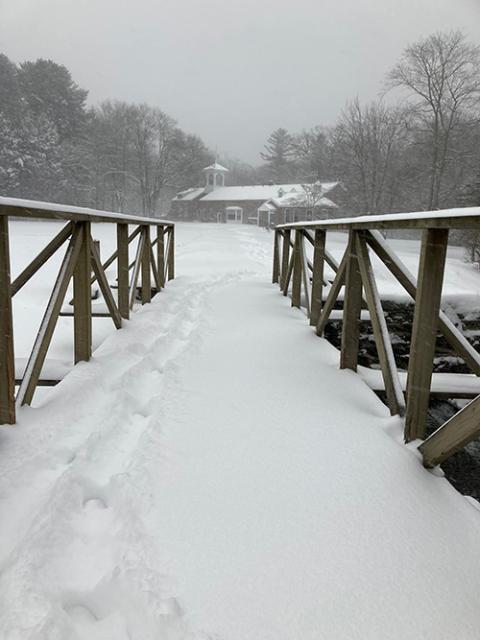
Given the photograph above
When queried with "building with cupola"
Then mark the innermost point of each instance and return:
(260, 204)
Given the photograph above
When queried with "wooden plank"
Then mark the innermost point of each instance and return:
(460, 384)
(167, 251)
(317, 275)
(415, 220)
(305, 274)
(136, 269)
(42, 382)
(171, 253)
(457, 432)
(329, 259)
(82, 298)
(95, 314)
(52, 211)
(153, 265)
(285, 260)
(424, 330)
(289, 275)
(122, 269)
(391, 379)
(146, 290)
(332, 296)
(297, 270)
(105, 287)
(276, 257)
(450, 332)
(46, 253)
(7, 360)
(114, 255)
(49, 320)
(161, 256)
(352, 305)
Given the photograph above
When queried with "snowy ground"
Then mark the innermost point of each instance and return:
(211, 474)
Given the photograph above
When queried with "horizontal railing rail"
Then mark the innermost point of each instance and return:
(304, 279)
(154, 257)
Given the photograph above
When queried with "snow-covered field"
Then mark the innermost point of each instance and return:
(211, 474)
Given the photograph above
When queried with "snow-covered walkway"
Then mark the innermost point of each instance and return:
(211, 474)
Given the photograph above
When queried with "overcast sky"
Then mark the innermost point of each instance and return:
(229, 70)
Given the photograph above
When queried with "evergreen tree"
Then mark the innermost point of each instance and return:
(49, 91)
(278, 156)
(10, 92)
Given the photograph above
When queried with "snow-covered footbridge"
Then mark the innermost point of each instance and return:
(212, 473)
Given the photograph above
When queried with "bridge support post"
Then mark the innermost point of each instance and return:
(352, 306)
(82, 297)
(317, 275)
(7, 361)
(424, 330)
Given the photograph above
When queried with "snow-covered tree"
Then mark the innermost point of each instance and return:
(49, 90)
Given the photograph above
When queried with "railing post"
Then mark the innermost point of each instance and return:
(297, 270)
(161, 255)
(171, 254)
(424, 330)
(276, 257)
(82, 298)
(122, 270)
(285, 258)
(146, 266)
(7, 361)
(352, 306)
(317, 275)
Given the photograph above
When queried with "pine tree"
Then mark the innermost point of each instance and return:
(49, 91)
(278, 155)
(10, 92)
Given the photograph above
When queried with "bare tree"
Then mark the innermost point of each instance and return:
(366, 145)
(312, 152)
(153, 138)
(441, 75)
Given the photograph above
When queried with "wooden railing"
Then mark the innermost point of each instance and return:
(81, 257)
(304, 280)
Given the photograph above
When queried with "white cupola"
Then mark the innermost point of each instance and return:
(214, 176)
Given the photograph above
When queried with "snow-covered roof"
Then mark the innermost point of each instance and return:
(251, 192)
(262, 192)
(215, 167)
(302, 199)
(267, 206)
(189, 194)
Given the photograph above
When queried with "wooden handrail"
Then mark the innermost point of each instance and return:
(464, 218)
(292, 269)
(81, 257)
(15, 207)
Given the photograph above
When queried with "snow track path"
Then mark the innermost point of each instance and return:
(210, 474)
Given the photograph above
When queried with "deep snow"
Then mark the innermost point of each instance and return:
(212, 474)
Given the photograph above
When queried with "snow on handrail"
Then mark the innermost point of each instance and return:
(35, 209)
(460, 217)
